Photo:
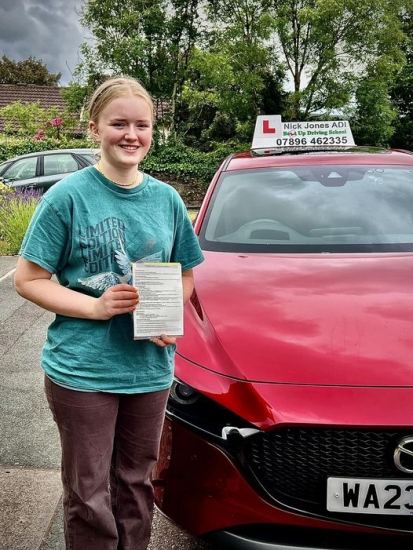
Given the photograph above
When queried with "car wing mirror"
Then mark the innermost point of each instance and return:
(6, 181)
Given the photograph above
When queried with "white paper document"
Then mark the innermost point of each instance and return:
(160, 308)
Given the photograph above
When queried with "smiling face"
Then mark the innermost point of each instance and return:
(124, 131)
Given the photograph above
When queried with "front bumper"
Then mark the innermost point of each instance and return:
(198, 487)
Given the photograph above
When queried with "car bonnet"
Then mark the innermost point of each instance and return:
(333, 319)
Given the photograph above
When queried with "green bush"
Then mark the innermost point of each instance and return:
(16, 211)
(187, 164)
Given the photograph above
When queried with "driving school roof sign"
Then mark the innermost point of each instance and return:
(270, 132)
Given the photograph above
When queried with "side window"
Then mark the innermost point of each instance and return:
(22, 169)
(59, 164)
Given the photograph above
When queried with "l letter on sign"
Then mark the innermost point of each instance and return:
(266, 128)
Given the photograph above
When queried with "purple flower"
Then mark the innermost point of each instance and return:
(20, 195)
(28, 195)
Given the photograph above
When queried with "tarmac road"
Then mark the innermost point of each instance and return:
(30, 489)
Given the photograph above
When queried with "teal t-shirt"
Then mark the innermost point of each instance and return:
(87, 231)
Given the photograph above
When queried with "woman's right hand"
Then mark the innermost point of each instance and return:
(116, 300)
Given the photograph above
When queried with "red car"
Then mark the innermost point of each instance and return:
(290, 423)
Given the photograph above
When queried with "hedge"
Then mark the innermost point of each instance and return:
(185, 164)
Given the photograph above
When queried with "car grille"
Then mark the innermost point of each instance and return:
(292, 466)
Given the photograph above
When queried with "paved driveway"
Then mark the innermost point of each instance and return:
(30, 489)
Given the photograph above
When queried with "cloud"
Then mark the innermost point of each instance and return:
(48, 30)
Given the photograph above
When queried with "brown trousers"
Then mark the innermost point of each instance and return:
(110, 444)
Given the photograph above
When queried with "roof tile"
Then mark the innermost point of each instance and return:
(47, 95)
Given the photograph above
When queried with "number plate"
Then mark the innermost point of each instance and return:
(370, 496)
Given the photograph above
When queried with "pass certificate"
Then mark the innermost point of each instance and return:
(160, 308)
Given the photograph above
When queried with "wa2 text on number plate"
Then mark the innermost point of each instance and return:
(370, 496)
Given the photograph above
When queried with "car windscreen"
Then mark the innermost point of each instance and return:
(311, 209)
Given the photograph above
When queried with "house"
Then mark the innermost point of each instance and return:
(48, 96)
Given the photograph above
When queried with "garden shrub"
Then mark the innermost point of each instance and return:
(16, 210)
(187, 164)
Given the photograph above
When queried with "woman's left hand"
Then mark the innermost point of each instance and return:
(163, 340)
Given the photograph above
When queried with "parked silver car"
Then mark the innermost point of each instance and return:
(42, 169)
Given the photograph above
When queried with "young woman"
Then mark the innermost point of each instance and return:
(107, 391)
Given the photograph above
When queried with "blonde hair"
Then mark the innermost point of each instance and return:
(112, 89)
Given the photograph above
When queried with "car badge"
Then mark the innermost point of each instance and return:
(403, 455)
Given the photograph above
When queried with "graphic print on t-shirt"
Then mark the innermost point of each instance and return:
(104, 257)
(99, 243)
(102, 281)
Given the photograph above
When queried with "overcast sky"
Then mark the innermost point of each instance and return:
(45, 29)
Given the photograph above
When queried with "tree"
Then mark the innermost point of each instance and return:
(219, 63)
(374, 115)
(183, 30)
(245, 28)
(233, 72)
(28, 71)
(402, 91)
(151, 40)
(185, 58)
(328, 45)
(121, 44)
(75, 96)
